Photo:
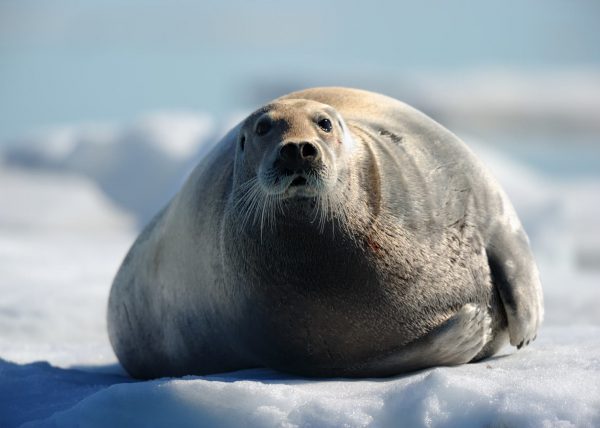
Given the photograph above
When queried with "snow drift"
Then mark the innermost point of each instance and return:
(138, 166)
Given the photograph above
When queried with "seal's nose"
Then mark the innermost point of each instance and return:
(298, 155)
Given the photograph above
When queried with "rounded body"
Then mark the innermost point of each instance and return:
(386, 227)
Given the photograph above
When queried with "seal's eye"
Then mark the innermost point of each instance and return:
(325, 125)
(242, 142)
(263, 127)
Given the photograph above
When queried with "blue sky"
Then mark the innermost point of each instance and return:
(72, 61)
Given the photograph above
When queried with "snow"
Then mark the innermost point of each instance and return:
(138, 166)
(556, 100)
(554, 383)
(60, 242)
(65, 226)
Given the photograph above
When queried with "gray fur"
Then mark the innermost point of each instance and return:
(401, 253)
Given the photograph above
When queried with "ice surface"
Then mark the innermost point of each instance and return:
(63, 233)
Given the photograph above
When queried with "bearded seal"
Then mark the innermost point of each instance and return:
(334, 232)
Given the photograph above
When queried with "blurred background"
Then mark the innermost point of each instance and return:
(105, 106)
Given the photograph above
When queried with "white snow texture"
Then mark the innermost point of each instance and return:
(71, 202)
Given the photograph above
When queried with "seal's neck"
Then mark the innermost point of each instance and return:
(300, 230)
(303, 220)
(299, 252)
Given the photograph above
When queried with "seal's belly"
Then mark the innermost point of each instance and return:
(352, 304)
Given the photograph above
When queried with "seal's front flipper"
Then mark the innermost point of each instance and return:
(458, 340)
(515, 275)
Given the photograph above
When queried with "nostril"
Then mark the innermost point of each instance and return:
(308, 151)
(289, 152)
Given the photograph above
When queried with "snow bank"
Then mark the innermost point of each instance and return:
(42, 201)
(138, 166)
(567, 101)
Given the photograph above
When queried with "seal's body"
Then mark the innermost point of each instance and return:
(334, 232)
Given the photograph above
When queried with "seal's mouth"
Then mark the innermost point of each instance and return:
(298, 181)
(300, 186)
(290, 184)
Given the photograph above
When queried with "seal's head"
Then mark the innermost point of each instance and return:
(291, 148)
(290, 152)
